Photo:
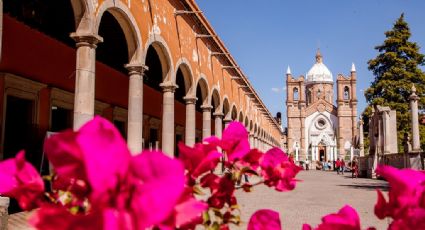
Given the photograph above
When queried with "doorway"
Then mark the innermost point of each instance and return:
(322, 155)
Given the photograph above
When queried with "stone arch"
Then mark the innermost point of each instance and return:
(234, 113)
(184, 65)
(83, 15)
(164, 53)
(346, 93)
(241, 117)
(296, 94)
(246, 122)
(128, 25)
(215, 100)
(203, 86)
(226, 107)
(255, 129)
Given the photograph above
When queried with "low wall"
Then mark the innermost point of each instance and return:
(396, 160)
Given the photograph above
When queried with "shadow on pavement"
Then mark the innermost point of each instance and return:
(366, 186)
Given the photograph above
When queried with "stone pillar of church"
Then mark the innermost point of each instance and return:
(361, 138)
(416, 144)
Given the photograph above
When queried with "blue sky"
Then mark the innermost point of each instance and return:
(266, 36)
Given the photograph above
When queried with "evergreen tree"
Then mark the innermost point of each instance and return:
(396, 68)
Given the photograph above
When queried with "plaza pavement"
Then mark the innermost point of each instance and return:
(319, 193)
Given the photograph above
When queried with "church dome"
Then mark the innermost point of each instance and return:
(319, 72)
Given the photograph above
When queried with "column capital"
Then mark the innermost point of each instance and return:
(206, 108)
(190, 99)
(227, 120)
(86, 39)
(168, 87)
(134, 68)
(218, 114)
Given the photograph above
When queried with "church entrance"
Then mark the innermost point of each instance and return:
(322, 152)
(322, 155)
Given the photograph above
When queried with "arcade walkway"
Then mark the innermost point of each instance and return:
(319, 193)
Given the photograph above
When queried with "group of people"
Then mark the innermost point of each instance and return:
(339, 166)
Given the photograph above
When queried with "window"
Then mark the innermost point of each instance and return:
(296, 98)
(346, 93)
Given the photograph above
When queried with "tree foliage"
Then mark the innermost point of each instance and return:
(395, 69)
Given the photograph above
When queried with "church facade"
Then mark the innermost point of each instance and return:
(318, 130)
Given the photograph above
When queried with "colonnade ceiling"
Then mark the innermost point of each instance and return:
(183, 41)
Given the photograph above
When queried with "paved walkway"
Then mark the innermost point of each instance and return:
(318, 194)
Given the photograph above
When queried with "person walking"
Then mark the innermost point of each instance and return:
(306, 163)
(354, 169)
(337, 165)
(342, 166)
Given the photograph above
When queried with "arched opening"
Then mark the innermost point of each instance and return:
(226, 109)
(184, 84)
(234, 113)
(113, 51)
(295, 96)
(240, 117)
(346, 93)
(202, 96)
(309, 97)
(152, 103)
(216, 108)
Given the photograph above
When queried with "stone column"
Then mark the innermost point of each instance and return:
(296, 154)
(190, 130)
(168, 118)
(135, 108)
(84, 77)
(387, 136)
(206, 121)
(227, 122)
(416, 145)
(361, 136)
(251, 140)
(218, 124)
(4, 205)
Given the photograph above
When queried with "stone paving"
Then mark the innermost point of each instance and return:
(319, 193)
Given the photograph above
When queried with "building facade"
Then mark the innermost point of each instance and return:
(156, 69)
(318, 129)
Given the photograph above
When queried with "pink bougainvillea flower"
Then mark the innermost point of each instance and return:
(200, 159)
(96, 153)
(222, 190)
(265, 219)
(234, 141)
(346, 219)
(406, 204)
(20, 180)
(252, 159)
(163, 185)
(278, 171)
(186, 214)
(53, 217)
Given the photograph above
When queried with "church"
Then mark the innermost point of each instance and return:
(319, 130)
